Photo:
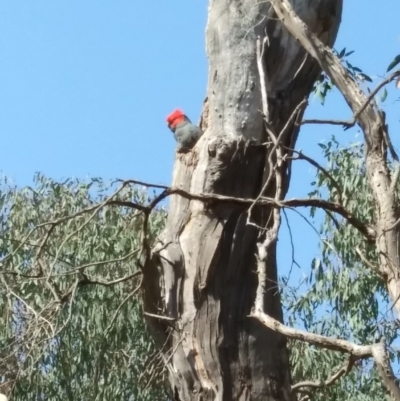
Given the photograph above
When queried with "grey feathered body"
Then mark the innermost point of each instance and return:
(187, 134)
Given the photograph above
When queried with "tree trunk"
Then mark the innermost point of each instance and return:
(202, 277)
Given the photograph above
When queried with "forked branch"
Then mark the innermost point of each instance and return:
(376, 351)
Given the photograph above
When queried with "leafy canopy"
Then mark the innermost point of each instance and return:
(90, 344)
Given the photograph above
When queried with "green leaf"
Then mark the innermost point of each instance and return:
(393, 64)
(365, 77)
(384, 95)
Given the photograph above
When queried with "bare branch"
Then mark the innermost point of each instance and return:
(344, 370)
(366, 230)
(161, 317)
(131, 205)
(142, 183)
(334, 344)
(377, 351)
(345, 123)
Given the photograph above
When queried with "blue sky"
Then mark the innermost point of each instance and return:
(85, 87)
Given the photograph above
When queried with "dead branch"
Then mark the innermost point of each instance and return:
(333, 344)
(365, 229)
(161, 317)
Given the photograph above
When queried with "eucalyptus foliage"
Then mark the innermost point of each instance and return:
(345, 298)
(92, 344)
(66, 331)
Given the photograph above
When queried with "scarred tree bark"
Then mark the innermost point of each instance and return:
(202, 279)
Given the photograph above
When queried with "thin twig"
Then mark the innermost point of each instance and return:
(95, 211)
(87, 281)
(142, 183)
(366, 261)
(129, 296)
(100, 263)
(302, 156)
(132, 205)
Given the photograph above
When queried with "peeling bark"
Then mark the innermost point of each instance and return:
(203, 272)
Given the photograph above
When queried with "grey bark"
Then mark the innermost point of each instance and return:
(202, 275)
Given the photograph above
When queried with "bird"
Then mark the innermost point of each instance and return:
(186, 133)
